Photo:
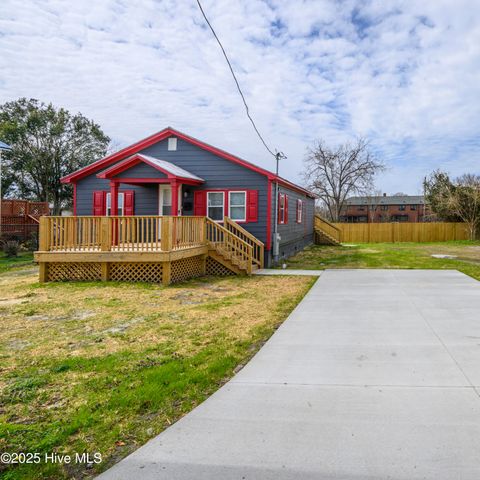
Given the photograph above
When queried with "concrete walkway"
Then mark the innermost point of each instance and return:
(375, 375)
(274, 271)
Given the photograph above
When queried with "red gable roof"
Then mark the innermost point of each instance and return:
(162, 135)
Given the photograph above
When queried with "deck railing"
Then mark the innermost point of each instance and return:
(258, 247)
(128, 234)
(230, 245)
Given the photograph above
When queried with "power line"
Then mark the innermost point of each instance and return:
(277, 155)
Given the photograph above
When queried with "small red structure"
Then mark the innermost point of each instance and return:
(20, 218)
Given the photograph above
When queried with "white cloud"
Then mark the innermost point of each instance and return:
(404, 73)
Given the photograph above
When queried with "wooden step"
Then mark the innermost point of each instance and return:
(327, 239)
(226, 262)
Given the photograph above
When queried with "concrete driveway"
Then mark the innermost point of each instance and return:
(375, 375)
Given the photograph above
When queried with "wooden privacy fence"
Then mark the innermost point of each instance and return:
(402, 232)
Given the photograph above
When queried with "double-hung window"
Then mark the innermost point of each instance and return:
(237, 206)
(299, 211)
(120, 203)
(215, 205)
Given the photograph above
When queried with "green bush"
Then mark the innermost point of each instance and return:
(11, 248)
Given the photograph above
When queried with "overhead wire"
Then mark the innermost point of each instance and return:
(278, 155)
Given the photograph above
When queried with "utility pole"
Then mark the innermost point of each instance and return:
(276, 239)
(3, 147)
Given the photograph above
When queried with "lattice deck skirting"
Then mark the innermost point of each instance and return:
(136, 272)
(216, 268)
(60, 272)
(153, 272)
(186, 268)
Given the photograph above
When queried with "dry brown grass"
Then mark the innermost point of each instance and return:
(86, 319)
(104, 367)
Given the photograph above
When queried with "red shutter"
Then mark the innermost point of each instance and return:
(98, 203)
(279, 212)
(252, 205)
(129, 202)
(200, 203)
(286, 209)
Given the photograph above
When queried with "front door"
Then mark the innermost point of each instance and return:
(165, 200)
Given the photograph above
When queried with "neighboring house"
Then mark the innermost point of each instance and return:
(396, 208)
(171, 173)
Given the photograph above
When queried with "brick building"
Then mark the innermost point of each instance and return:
(395, 208)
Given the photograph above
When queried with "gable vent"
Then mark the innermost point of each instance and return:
(172, 143)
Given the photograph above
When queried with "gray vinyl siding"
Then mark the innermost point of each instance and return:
(294, 236)
(146, 196)
(142, 170)
(218, 173)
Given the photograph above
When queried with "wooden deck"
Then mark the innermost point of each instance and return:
(149, 248)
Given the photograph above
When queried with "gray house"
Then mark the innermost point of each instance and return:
(171, 173)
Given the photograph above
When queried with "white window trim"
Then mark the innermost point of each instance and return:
(108, 203)
(244, 219)
(282, 196)
(217, 206)
(299, 211)
(172, 144)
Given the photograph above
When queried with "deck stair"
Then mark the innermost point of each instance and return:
(326, 233)
(233, 247)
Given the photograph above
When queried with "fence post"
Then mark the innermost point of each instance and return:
(105, 244)
(43, 235)
(166, 234)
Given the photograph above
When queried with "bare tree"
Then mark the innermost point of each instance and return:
(336, 174)
(373, 202)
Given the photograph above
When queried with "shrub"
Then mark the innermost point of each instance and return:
(32, 243)
(11, 248)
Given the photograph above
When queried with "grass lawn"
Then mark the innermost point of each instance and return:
(392, 255)
(92, 367)
(23, 259)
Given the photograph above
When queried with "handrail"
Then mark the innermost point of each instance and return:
(228, 243)
(328, 228)
(239, 231)
(327, 222)
(35, 219)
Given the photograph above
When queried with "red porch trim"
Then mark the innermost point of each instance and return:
(74, 199)
(113, 199)
(269, 215)
(137, 159)
(174, 198)
(135, 181)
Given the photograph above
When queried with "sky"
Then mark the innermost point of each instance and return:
(405, 74)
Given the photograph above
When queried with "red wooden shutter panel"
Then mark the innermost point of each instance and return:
(252, 205)
(279, 212)
(129, 202)
(98, 203)
(286, 209)
(200, 203)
